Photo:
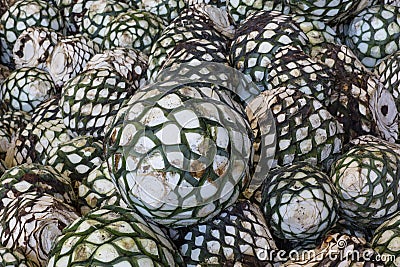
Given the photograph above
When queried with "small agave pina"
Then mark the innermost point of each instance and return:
(386, 240)
(300, 203)
(379, 36)
(367, 181)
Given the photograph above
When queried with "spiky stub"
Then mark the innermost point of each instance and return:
(375, 34)
(42, 135)
(69, 57)
(257, 40)
(24, 89)
(31, 223)
(99, 14)
(34, 46)
(339, 249)
(22, 15)
(294, 69)
(367, 180)
(114, 236)
(90, 100)
(28, 178)
(190, 25)
(167, 10)
(300, 203)
(306, 131)
(386, 240)
(10, 258)
(238, 236)
(98, 190)
(127, 62)
(241, 9)
(10, 123)
(76, 158)
(184, 135)
(358, 99)
(194, 51)
(133, 29)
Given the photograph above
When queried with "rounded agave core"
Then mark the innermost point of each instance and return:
(179, 157)
(367, 182)
(300, 202)
(180, 150)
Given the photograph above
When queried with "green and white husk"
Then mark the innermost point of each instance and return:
(194, 23)
(326, 10)
(4, 72)
(42, 135)
(194, 51)
(10, 123)
(10, 258)
(238, 236)
(96, 18)
(386, 240)
(294, 69)
(168, 10)
(300, 203)
(258, 38)
(90, 100)
(98, 190)
(305, 130)
(318, 32)
(389, 72)
(239, 10)
(114, 236)
(358, 99)
(133, 29)
(149, 143)
(366, 178)
(76, 158)
(24, 89)
(5, 5)
(374, 34)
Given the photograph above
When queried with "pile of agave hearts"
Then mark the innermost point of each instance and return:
(193, 133)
